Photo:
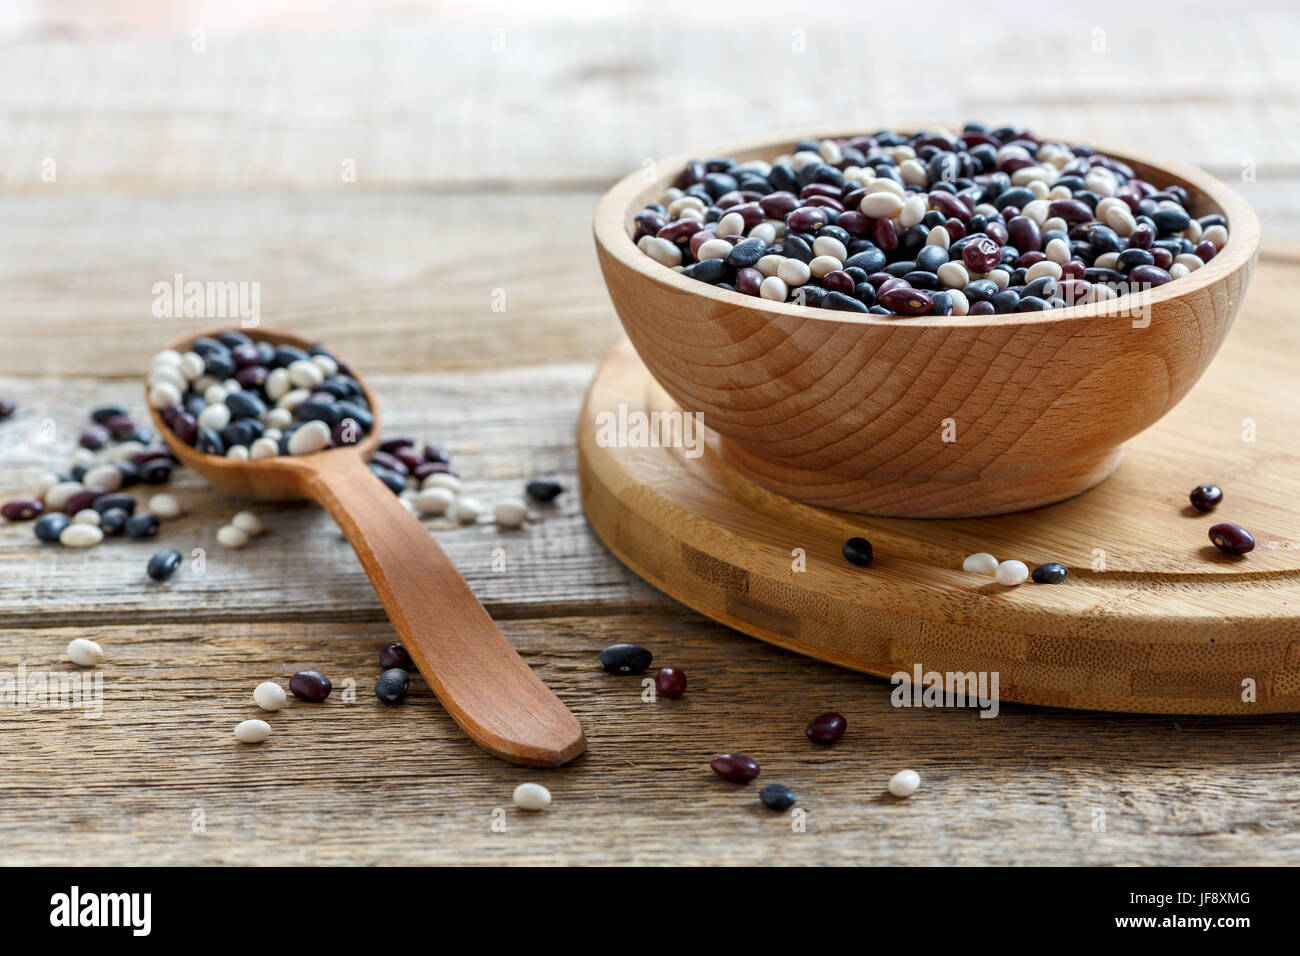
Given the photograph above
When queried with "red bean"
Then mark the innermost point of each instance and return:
(981, 254)
(1148, 276)
(1071, 210)
(80, 501)
(948, 204)
(1030, 259)
(838, 281)
(825, 202)
(854, 223)
(956, 228)
(1142, 237)
(737, 768)
(1232, 538)
(779, 204)
(22, 509)
(751, 212)
(1074, 269)
(980, 308)
(997, 232)
(806, 219)
(885, 235)
(826, 728)
(310, 685)
(1163, 257)
(681, 230)
(821, 189)
(670, 682)
(1205, 251)
(889, 285)
(906, 301)
(1024, 234)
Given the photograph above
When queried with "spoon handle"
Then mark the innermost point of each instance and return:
(485, 685)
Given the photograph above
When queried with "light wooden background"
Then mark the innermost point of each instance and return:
(481, 136)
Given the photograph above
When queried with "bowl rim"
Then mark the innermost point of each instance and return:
(614, 209)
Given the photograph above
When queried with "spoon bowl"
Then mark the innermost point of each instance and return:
(488, 689)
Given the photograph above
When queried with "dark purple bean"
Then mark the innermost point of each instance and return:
(1148, 276)
(736, 768)
(22, 509)
(826, 728)
(395, 442)
(94, 438)
(670, 682)
(391, 462)
(748, 281)
(104, 412)
(310, 685)
(806, 219)
(836, 281)
(80, 501)
(1071, 210)
(681, 230)
(906, 301)
(1023, 233)
(435, 452)
(981, 254)
(395, 655)
(779, 204)
(1205, 251)
(1232, 538)
(1206, 497)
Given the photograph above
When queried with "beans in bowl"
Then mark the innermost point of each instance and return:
(245, 399)
(985, 221)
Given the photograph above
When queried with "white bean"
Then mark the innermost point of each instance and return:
(79, 535)
(192, 366)
(305, 374)
(292, 399)
(269, 695)
(248, 523)
(713, 249)
(441, 480)
(57, 496)
(103, 478)
(435, 500)
(532, 796)
(277, 384)
(165, 505)
(228, 536)
(215, 416)
(87, 516)
(981, 562)
(731, 224)
(904, 783)
(792, 272)
(164, 394)
(1011, 573)
(264, 447)
(774, 288)
(468, 510)
(660, 250)
(309, 437)
(510, 514)
(85, 653)
(252, 731)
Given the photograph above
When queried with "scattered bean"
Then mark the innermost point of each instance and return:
(625, 658)
(826, 728)
(510, 514)
(143, 525)
(1051, 573)
(981, 562)
(248, 523)
(269, 695)
(1232, 538)
(228, 536)
(532, 796)
(252, 731)
(165, 506)
(164, 564)
(80, 536)
(22, 509)
(395, 655)
(1206, 497)
(736, 768)
(670, 682)
(49, 527)
(904, 783)
(1011, 573)
(310, 685)
(777, 796)
(858, 551)
(391, 685)
(85, 653)
(468, 510)
(86, 516)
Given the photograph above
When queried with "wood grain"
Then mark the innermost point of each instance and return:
(363, 782)
(1165, 624)
(478, 677)
(503, 427)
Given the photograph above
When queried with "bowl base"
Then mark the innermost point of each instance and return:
(927, 499)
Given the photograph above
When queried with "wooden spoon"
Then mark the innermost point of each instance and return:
(485, 685)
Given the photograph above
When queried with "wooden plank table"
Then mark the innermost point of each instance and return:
(477, 170)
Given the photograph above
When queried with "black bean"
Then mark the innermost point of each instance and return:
(710, 270)
(143, 525)
(1017, 196)
(108, 502)
(539, 489)
(1031, 303)
(49, 526)
(1043, 288)
(943, 303)
(360, 415)
(777, 796)
(114, 520)
(322, 411)
(746, 253)
(232, 338)
(842, 303)
(1051, 573)
(858, 551)
(1135, 257)
(391, 685)
(869, 260)
(103, 413)
(396, 483)
(1206, 497)
(1005, 301)
(793, 247)
(919, 279)
(164, 564)
(157, 471)
(245, 405)
(931, 258)
(625, 659)
(981, 290)
(1170, 220)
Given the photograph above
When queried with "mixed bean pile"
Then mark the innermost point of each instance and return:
(233, 396)
(985, 221)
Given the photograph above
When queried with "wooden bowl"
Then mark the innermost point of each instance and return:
(923, 417)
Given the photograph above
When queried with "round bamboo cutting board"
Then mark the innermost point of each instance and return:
(1152, 619)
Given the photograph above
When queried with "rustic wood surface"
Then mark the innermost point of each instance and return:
(479, 159)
